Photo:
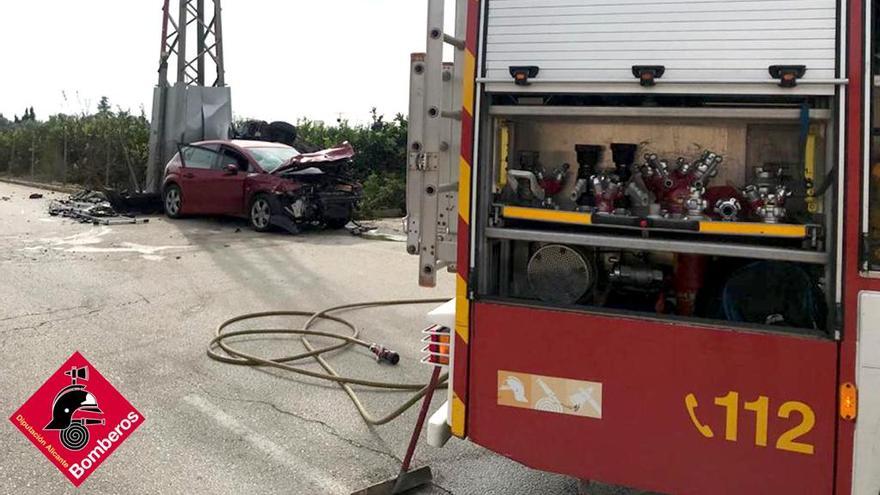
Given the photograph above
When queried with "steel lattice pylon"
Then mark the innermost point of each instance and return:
(188, 110)
(202, 22)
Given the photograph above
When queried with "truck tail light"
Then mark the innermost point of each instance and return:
(849, 401)
(437, 350)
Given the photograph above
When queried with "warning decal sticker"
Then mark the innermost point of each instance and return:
(548, 394)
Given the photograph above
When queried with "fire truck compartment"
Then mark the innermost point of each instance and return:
(665, 211)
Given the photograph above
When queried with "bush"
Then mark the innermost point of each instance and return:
(91, 150)
(383, 192)
(97, 150)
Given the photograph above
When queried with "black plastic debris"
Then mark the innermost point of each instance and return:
(91, 207)
(260, 130)
(134, 203)
(35, 196)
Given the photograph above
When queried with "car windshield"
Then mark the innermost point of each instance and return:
(270, 159)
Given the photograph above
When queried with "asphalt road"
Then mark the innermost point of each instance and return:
(142, 301)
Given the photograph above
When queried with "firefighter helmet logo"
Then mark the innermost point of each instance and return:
(77, 419)
(72, 399)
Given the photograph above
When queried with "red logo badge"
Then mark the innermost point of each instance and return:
(77, 419)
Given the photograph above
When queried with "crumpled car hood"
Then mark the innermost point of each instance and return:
(330, 155)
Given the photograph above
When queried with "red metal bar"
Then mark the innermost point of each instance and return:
(420, 423)
(853, 281)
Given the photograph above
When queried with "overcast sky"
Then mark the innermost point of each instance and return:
(284, 58)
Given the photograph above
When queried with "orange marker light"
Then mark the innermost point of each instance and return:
(849, 401)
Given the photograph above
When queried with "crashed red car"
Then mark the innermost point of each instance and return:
(271, 184)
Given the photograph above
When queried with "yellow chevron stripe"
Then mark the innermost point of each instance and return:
(470, 73)
(462, 309)
(458, 416)
(464, 190)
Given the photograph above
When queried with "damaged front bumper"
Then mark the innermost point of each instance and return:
(292, 211)
(337, 205)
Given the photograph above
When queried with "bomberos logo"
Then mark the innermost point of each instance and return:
(77, 419)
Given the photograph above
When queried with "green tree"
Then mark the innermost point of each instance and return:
(29, 116)
(104, 106)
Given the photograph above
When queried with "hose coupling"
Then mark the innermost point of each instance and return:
(384, 354)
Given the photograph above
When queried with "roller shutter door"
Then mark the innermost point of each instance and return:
(592, 45)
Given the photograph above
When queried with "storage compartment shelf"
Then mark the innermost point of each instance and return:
(727, 249)
(649, 224)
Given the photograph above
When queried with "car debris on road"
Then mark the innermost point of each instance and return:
(91, 207)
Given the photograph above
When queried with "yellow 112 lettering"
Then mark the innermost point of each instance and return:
(760, 411)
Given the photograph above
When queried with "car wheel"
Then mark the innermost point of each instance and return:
(261, 213)
(336, 223)
(173, 201)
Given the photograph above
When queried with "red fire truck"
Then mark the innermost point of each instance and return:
(663, 220)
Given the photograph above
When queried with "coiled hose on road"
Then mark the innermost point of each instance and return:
(221, 350)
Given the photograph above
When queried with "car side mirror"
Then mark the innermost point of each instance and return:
(231, 169)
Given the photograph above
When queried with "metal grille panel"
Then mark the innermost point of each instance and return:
(559, 274)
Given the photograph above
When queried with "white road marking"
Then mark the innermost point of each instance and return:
(268, 447)
(89, 243)
(126, 247)
(87, 238)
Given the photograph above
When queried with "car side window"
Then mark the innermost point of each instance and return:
(230, 156)
(199, 157)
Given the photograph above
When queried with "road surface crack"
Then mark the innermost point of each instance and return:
(90, 312)
(46, 322)
(326, 426)
(42, 313)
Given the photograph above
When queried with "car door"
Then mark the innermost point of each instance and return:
(199, 168)
(228, 186)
